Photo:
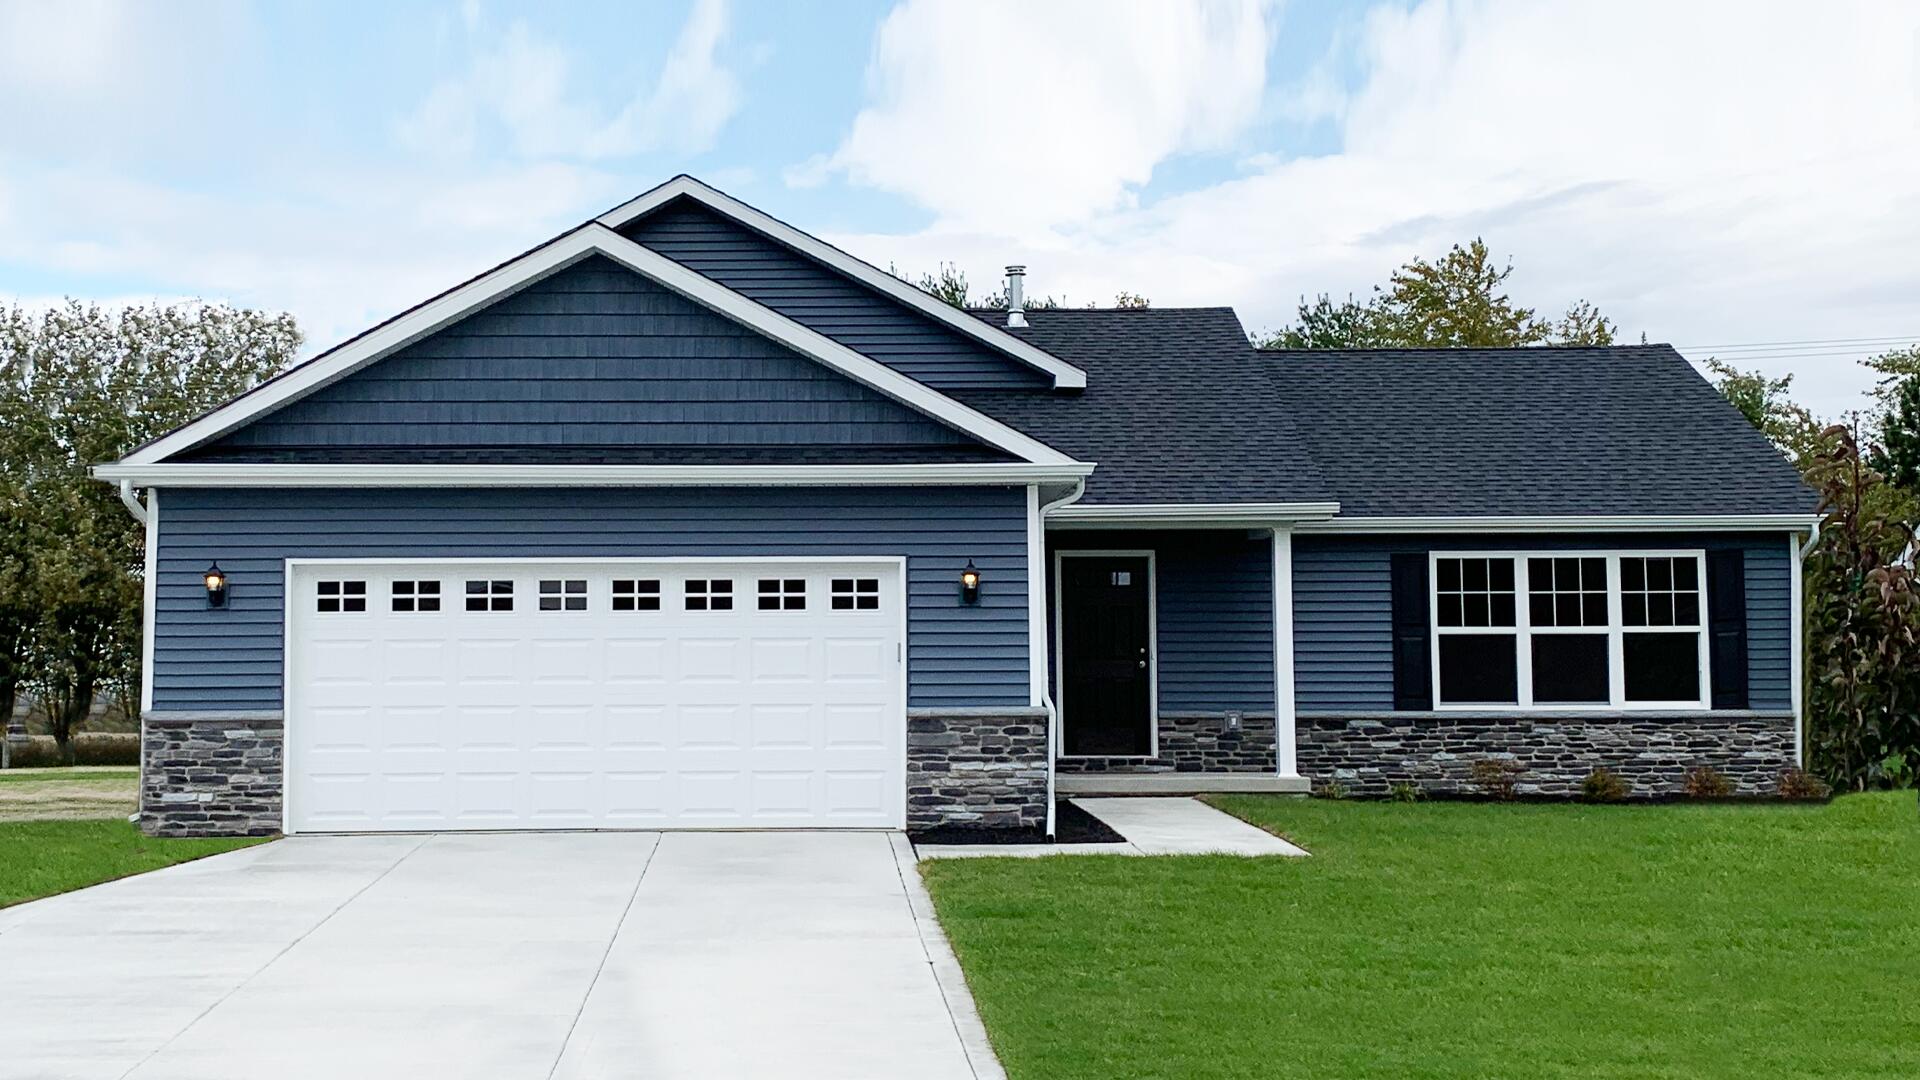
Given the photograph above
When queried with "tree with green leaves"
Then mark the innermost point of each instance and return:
(950, 286)
(1897, 395)
(79, 385)
(1862, 625)
(1766, 405)
(1457, 301)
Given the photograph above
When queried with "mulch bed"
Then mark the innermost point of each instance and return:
(1072, 826)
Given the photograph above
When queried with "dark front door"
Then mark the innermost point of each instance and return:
(1106, 662)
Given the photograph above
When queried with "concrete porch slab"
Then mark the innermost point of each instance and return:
(1179, 783)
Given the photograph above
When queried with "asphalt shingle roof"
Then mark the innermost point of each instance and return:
(1179, 408)
(1622, 430)
(1165, 412)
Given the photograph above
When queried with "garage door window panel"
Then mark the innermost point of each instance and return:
(563, 594)
(856, 594)
(783, 594)
(334, 597)
(493, 594)
(709, 594)
(636, 594)
(416, 596)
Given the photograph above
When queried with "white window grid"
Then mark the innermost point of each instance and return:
(563, 594)
(783, 594)
(1523, 631)
(415, 595)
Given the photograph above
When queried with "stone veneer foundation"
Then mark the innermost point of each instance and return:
(1195, 742)
(210, 774)
(985, 767)
(1368, 753)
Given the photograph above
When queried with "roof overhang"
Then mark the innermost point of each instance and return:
(550, 258)
(218, 474)
(1065, 376)
(1190, 515)
(1572, 523)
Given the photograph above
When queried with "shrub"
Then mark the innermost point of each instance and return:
(1405, 791)
(89, 748)
(1496, 778)
(1332, 789)
(1801, 784)
(1605, 785)
(1706, 782)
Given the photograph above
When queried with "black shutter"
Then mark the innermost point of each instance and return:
(1727, 627)
(1412, 658)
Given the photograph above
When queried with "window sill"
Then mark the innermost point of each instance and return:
(1544, 715)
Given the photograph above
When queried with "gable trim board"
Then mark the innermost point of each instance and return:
(1179, 515)
(548, 259)
(1567, 523)
(1065, 376)
(214, 474)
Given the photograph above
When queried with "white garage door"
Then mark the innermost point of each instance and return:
(566, 695)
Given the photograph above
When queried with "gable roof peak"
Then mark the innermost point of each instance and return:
(1065, 376)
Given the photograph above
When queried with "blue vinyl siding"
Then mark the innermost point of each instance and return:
(1215, 613)
(826, 301)
(957, 655)
(1343, 609)
(595, 355)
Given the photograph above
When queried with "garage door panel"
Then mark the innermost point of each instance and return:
(638, 727)
(856, 727)
(627, 706)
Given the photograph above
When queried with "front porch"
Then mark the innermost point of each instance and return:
(1171, 659)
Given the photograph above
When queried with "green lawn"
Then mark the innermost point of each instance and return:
(1463, 940)
(40, 858)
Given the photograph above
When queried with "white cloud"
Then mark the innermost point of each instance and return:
(523, 83)
(1032, 115)
(342, 250)
(1706, 173)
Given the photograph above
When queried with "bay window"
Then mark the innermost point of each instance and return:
(1569, 630)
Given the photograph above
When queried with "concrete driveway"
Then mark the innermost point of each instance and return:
(509, 955)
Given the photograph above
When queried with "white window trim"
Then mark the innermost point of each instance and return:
(1153, 645)
(1523, 631)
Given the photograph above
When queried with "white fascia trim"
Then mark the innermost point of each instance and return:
(1065, 375)
(1572, 523)
(218, 474)
(1114, 515)
(562, 252)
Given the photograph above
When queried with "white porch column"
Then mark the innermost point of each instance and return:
(1286, 757)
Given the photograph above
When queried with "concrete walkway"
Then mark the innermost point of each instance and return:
(506, 955)
(1149, 826)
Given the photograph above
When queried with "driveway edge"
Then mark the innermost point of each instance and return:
(946, 966)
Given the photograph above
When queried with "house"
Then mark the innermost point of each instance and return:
(685, 518)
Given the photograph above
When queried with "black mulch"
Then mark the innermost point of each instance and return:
(1072, 826)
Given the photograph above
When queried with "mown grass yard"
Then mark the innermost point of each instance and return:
(1464, 940)
(68, 793)
(65, 829)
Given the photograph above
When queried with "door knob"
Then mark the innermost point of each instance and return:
(1143, 663)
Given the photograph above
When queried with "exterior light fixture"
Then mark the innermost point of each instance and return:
(216, 580)
(970, 584)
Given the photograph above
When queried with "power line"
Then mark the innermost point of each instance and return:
(1866, 342)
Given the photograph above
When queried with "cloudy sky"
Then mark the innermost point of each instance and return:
(1738, 178)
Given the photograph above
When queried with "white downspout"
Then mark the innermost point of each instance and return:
(1046, 689)
(1798, 650)
(133, 505)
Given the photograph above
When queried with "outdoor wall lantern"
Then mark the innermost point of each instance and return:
(216, 579)
(970, 584)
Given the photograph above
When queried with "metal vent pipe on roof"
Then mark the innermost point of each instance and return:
(1016, 296)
